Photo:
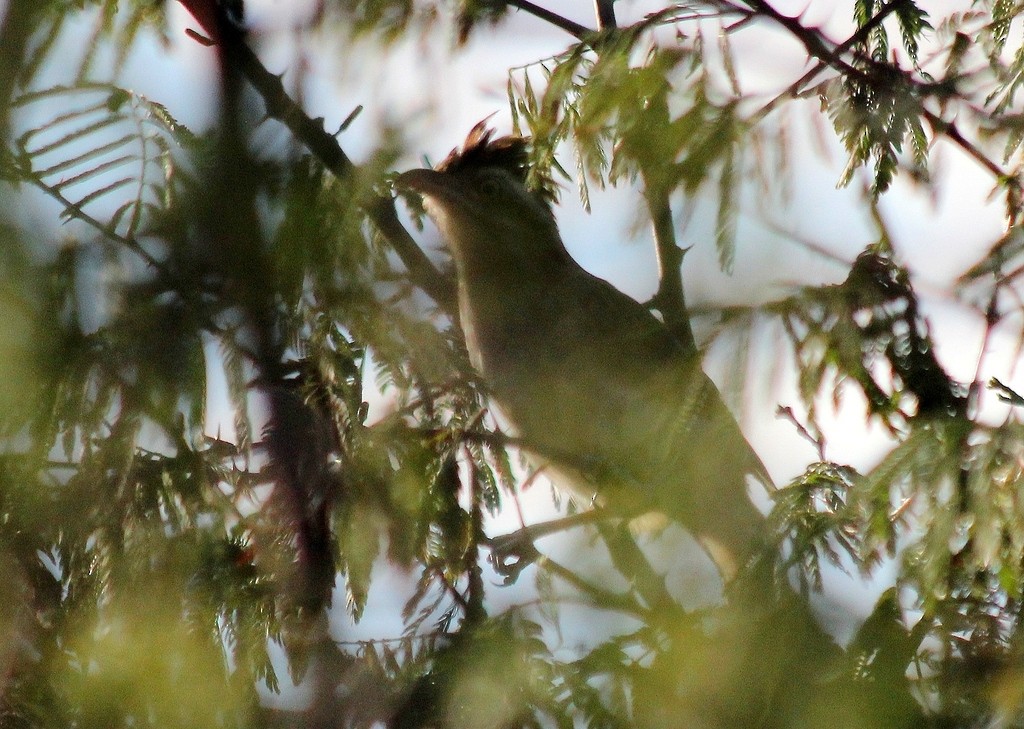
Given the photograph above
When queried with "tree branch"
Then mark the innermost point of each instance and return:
(533, 532)
(656, 173)
(623, 602)
(605, 10)
(75, 210)
(633, 564)
(580, 32)
(475, 610)
(379, 209)
(816, 47)
(669, 299)
(949, 130)
(858, 37)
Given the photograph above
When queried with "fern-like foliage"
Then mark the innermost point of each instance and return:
(106, 154)
(617, 113)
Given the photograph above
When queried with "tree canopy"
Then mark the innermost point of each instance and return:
(163, 571)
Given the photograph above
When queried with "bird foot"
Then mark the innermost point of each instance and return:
(512, 553)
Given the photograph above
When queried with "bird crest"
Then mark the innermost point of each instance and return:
(510, 153)
(481, 150)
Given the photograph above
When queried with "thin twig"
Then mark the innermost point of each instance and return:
(78, 213)
(623, 602)
(950, 131)
(786, 412)
(670, 299)
(991, 319)
(580, 32)
(532, 532)
(633, 564)
(475, 610)
(794, 238)
(816, 47)
(862, 33)
(381, 211)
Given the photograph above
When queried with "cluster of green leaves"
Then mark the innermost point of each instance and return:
(942, 503)
(620, 95)
(106, 147)
(33, 33)
(868, 329)
(875, 108)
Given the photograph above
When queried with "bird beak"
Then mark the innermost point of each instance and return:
(425, 182)
(440, 191)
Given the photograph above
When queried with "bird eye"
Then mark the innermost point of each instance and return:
(490, 188)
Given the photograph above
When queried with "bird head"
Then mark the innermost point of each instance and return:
(479, 199)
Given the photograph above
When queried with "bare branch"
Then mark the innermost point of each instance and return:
(580, 32)
(532, 532)
(669, 299)
(949, 130)
(605, 14)
(607, 599)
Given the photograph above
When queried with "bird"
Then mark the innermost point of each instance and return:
(615, 408)
(603, 396)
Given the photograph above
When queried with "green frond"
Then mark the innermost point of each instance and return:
(105, 157)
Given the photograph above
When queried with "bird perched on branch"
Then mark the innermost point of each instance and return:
(599, 390)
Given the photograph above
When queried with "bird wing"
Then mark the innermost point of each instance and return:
(655, 423)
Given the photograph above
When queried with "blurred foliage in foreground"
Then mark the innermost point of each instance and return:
(161, 573)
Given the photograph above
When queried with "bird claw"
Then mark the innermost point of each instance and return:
(512, 553)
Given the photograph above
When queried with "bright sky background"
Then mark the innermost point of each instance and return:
(434, 94)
